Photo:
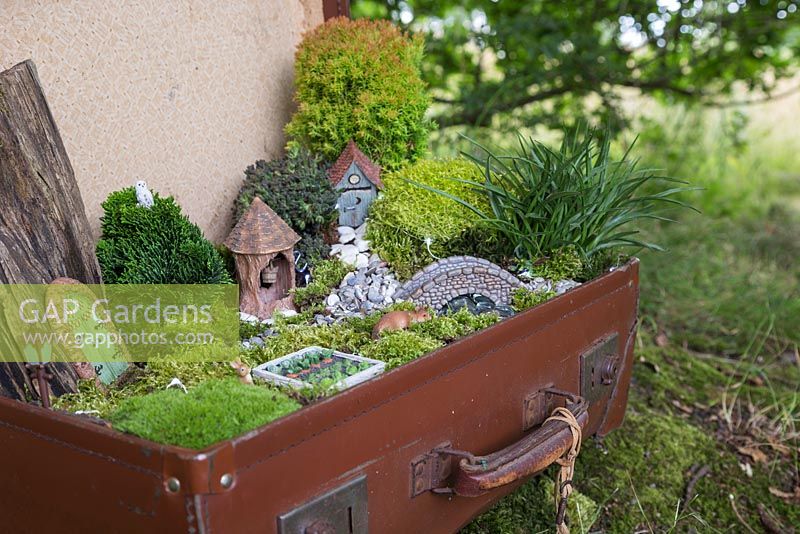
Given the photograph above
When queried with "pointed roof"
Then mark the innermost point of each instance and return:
(260, 231)
(353, 154)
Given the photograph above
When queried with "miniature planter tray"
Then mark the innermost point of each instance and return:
(356, 369)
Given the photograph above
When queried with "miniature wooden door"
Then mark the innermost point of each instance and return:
(353, 205)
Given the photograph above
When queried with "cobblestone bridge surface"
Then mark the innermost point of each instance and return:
(446, 279)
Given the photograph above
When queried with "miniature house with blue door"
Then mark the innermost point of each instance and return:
(358, 180)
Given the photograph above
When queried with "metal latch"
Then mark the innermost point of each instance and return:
(599, 369)
(429, 471)
(340, 511)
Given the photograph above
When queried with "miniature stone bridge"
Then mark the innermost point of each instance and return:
(446, 279)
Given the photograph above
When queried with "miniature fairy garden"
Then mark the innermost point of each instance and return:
(354, 253)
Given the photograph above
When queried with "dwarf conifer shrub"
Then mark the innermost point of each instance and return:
(157, 245)
(410, 226)
(361, 80)
(297, 188)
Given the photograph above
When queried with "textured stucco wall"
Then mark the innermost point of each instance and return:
(182, 94)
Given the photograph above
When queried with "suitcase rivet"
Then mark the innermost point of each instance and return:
(226, 481)
(173, 484)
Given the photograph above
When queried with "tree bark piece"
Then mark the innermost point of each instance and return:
(44, 232)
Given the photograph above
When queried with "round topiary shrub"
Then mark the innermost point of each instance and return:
(361, 80)
(157, 245)
(406, 216)
(297, 188)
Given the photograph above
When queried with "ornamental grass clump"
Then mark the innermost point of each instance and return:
(361, 80)
(411, 227)
(541, 200)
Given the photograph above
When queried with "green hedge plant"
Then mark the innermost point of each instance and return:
(157, 245)
(297, 188)
(411, 227)
(361, 80)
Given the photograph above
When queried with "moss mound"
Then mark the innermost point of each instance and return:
(157, 245)
(523, 298)
(402, 346)
(361, 80)
(213, 411)
(406, 215)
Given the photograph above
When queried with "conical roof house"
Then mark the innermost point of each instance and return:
(263, 249)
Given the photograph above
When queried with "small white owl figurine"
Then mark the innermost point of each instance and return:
(143, 195)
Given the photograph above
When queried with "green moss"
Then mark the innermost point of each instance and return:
(531, 509)
(326, 275)
(248, 329)
(523, 298)
(361, 80)
(405, 215)
(564, 263)
(213, 411)
(155, 376)
(156, 245)
(643, 465)
(399, 347)
(453, 326)
(89, 398)
(442, 328)
(295, 337)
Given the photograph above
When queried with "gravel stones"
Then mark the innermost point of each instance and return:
(366, 290)
(541, 285)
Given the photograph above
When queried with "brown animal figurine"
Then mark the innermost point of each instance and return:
(400, 320)
(242, 371)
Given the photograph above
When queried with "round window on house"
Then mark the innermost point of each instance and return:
(354, 179)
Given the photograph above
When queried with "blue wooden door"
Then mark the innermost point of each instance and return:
(353, 205)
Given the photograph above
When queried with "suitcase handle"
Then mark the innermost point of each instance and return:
(476, 475)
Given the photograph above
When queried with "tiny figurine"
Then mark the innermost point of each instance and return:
(400, 320)
(358, 181)
(263, 249)
(242, 371)
(143, 195)
(176, 382)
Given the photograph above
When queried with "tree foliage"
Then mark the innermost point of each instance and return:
(536, 60)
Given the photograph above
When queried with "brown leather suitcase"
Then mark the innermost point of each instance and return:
(398, 453)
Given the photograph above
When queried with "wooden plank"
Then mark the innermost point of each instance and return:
(44, 232)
